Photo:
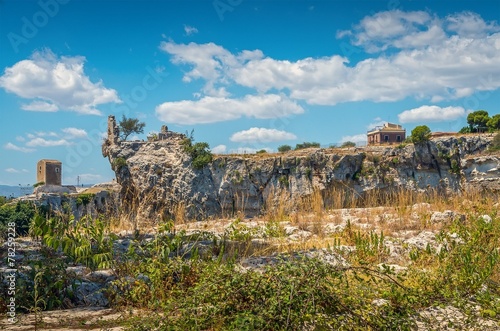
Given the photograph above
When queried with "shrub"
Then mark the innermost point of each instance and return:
(307, 145)
(200, 152)
(348, 144)
(38, 184)
(118, 163)
(420, 134)
(495, 143)
(455, 167)
(283, 180)
(262, 151)
(152, 136)
(284, 148)
(20, 214)
(4, 200)
(465, 129)
(84, 199)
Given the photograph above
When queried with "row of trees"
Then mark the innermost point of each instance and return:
(286, 148)
(480, 121)
(305, 144)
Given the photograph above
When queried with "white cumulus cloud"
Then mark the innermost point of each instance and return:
(189, 30)
(16, 171)
(470, 25)
(12, 147)
(261, 135)
(378, 31)
(73, 133)
(249, 150)
(358, 138)
(431, 114)
(217, 109)
(433, 59)
(41, 142)
(55, 83)
(40, 106)
(219, 149)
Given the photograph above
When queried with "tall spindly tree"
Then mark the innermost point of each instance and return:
(128, 126)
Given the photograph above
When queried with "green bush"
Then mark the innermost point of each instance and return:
(295, 294)
(348, 144)
(420, 134)
(200, 152)
(284, 148)
(495, 143)
(4, 200)
(118, 163)
(283, 180)
(86, 241)
(20, 214)
(307, 145)
(84, 199)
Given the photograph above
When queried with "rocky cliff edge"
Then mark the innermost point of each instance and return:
(158, 181)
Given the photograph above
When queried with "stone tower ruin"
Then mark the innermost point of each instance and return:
(113, 131)
(49, 172)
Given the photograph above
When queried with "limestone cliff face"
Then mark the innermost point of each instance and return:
(157, 179)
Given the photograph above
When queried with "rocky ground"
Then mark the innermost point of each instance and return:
(309, 235)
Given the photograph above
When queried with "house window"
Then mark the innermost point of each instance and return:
(386, 138)
(57, 170)
(398, 138)
(40, 169)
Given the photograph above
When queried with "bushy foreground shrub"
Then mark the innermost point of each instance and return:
(207, 293)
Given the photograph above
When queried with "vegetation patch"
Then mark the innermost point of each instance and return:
(199, 152)
(118, 163)
(84, 199)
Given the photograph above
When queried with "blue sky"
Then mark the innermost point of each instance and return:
(245, 75)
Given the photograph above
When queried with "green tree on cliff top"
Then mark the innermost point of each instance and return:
(128, 126)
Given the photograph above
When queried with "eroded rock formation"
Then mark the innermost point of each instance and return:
(158, 181)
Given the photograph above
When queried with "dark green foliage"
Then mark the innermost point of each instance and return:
(38, 184)
(262, 151)
(4, 200)
(127, 126)
(494, 122)
(284, 148)
(85, 241)
(465, 129)
(495, 143)
(47, 285)
(420, 134)
(84, 199)
(45, 282)
(118, 163)
(297, 293)
(307, 144)
(20, 213)
(200, 152)
(348, 144)
(283, 180)
(309, 173)
(291, 295)
(478, 120)
(455, 167)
